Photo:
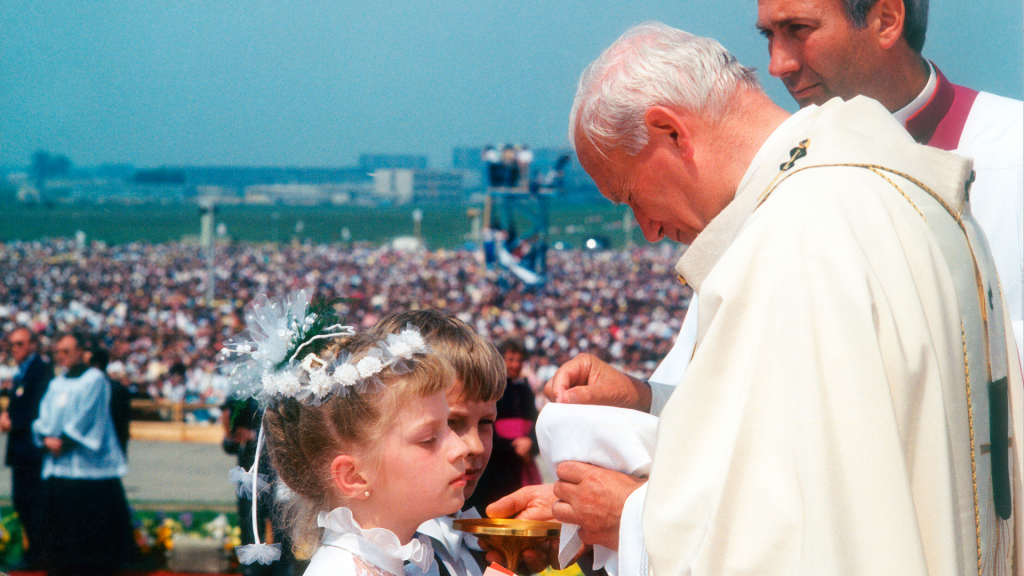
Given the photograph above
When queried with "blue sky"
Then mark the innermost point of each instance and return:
(316, 82)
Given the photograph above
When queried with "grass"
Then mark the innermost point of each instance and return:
(443, 226)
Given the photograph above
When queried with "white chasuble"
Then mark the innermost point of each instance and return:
(834, 417)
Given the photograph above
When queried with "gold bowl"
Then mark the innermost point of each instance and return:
(510, 536)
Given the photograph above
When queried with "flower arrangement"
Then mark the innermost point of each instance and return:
(156, 533)
(10, 538)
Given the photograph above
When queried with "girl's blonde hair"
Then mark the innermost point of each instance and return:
(303, 440)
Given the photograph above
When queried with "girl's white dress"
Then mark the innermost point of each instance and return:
(348, 550)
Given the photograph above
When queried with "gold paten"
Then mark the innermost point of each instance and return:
(510, 536)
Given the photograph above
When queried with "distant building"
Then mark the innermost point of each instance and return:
(272, 185)
(370, 163)
(297, 194)
(379, 178)
(437, 186)
(393, 186)
(402, 186)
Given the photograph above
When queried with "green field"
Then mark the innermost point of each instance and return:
(443, 226)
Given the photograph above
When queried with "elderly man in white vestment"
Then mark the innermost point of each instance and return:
(835, 417)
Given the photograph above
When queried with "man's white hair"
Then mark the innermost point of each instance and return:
(650, 65)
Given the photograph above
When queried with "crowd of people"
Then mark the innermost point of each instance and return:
(140, 310)
(145, 302)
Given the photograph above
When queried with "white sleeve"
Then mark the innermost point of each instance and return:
(632, 550)
(670, 371)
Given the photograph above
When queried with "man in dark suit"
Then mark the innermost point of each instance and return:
(23, 456)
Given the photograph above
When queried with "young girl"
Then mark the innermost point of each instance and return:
(357, 429)
(472, 405)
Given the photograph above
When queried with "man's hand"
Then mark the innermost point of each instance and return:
(527, 503)
(54, 444)
(592, 498)
(587, 380)
(5, 421)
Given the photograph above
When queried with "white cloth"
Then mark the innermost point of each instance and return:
(452, 547)
(613, 438)
(822, 425)
(348, 550)
(633, 558)
(915, 105)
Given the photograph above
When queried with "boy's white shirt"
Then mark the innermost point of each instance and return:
(452, 547)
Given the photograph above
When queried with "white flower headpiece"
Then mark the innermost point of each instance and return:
(263, 362)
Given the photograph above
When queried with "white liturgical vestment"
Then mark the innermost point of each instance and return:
(835, 416)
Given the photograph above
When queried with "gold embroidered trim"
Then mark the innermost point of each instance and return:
(974, 465)
(900, 190)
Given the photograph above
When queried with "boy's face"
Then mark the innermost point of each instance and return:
(513, 364)
(474, 423)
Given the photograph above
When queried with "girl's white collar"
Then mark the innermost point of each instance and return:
(378, 546)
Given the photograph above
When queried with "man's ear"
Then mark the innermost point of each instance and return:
(668, 126)
(349, 476)
(888, 16)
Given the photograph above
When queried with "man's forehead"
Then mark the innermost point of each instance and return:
(68, 341)
(604, 168)
(776, 12)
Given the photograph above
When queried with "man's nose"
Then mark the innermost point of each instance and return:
(653, 231)
(784, 59)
